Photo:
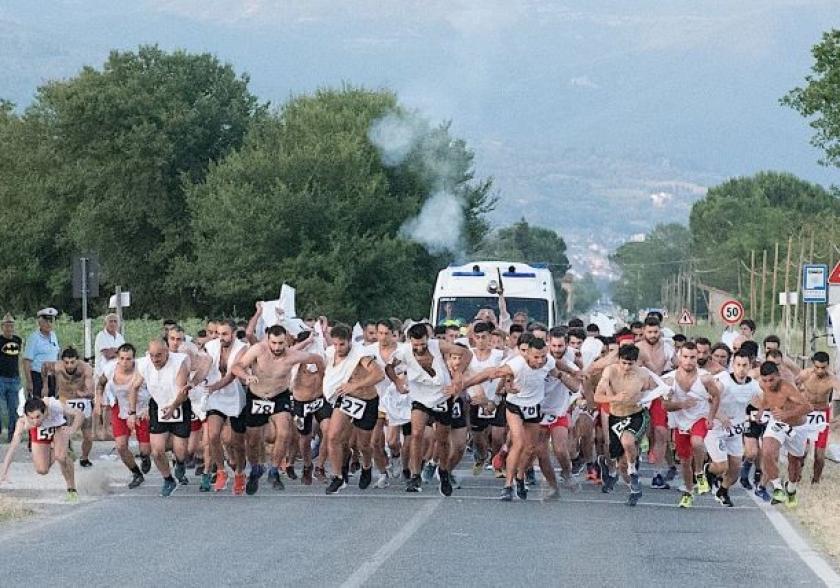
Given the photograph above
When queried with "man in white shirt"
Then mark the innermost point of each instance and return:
(108, 340)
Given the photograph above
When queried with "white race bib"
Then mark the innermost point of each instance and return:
(530, 412)
(265, 407)
(83, 405)
(736, 429)
(548, 419)
(485, 414)
(352, 407)
(442, 407)
(176, 417)
(44, 433)
(456, 410)
(815, 418)
(313, 407)
(784, 428)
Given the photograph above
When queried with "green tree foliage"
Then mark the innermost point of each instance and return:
(819, 99)
(308, 200)
(751, 214)
(585, 294)
(124, 141)
(644, 265)
(526, 243)
(34, 207)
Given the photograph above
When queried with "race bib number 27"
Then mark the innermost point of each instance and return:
(352, 407)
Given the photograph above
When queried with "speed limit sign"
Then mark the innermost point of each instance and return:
(732, 312)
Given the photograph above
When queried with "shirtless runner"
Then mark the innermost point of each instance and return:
(818, 385)
(74, 382)
(309, 406)
(266, 369)
(788, 408)
(622, 386)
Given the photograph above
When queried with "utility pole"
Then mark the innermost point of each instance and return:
(763, 284)
(775, 290)
(752, 283)
(787, 300)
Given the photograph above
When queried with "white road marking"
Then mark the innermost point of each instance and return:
(798, 544)
(369, 568)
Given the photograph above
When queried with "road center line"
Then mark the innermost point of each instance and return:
(367, 569)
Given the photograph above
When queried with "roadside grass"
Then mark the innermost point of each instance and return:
(12, 509)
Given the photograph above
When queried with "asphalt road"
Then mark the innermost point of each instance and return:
(387, 538)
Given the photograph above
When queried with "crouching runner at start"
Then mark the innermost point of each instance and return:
(45, 420)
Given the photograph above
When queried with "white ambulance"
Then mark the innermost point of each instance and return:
(461, 291)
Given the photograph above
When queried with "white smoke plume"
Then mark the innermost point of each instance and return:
(408, 138)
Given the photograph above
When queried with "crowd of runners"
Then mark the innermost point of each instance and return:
(401, 403)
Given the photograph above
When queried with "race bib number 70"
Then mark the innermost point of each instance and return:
(177, 415)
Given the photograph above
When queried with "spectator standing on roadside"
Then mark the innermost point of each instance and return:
(10, 347)
(41, 351)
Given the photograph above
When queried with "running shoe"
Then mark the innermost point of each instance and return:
(702, 484)
(72, 497)
(169, 486)
(445, 487)
(336, 484)
(253, 483)
(530, 477)
(221, 481)
(633, 498)
(499, 473)
(85, 463)
(145, 464)
(199, 467)
(711, 478)
(355, 466)
(569, 483)
(608, 483)
(507, 494)
(779, 496)
(521, 489)
(306, 476)
(239, 484)
(671, 473)
(428, 472)
(319, 474)
(553, 494)
(395, 468)
(686, 500)
(499, 460)
(382, 482)
(477, 467)
(181, 474)
(205, 485)
(276, 480)
(762, 493)
(415, 485)
(456, 483)
(744, 478)
(792, 500)
(635, 485)
(290, 471)
(659, 483)
(136, 480)
(757, 477)
(722, 496)
(593, 473)
(365, 478)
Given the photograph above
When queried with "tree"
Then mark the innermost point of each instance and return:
(525, 243)
(751, 214)
(125, 142)
(307, 199)
(644, 265)
(820, 98)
